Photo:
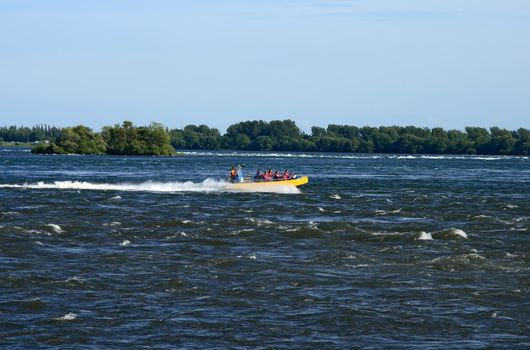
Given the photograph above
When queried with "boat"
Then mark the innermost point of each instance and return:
(258, 184)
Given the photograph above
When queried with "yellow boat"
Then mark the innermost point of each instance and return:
(250, 184)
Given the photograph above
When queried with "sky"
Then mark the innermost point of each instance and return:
(436, 63)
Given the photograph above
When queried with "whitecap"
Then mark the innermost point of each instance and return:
(262, 222)
(125, 243)
(253, 257)
(115, 198)
(112, 223)
(425, 236)
(186, 221)
(67, 317)
(385, 212)
(34, 231)
(55, 228)
(321, 209)
(459, 233)
(385, 233)
(509, 255)
(335, 196)
(74, 279)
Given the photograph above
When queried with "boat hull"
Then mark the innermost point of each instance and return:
(269, 184)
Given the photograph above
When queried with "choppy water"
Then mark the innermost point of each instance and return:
(377, 251)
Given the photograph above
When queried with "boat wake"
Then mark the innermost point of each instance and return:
(206, 186)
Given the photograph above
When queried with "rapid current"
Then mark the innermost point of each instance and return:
(377, 251)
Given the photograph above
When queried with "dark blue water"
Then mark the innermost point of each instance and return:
(377, 251)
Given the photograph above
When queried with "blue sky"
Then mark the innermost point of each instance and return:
(450, 63)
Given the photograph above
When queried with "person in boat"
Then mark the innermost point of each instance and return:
(239, 172)
(233, 174)
(258, 175)
(286, 175)
(276, 175)
(268, 176)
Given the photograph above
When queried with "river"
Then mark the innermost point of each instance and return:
(377, 251)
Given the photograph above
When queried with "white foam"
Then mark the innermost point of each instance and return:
(385, 233)
(385, 212)
(125, 243)
(321, 209)
(236, 232)
(186, 221)
(425, 236)
(208, 185)
(335, 196)
(55, 228)
(344, 155)
(67, 317)
(262, 222)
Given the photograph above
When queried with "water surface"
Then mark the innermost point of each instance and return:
(377, 251)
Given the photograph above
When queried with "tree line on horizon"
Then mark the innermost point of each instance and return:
(42, 132)
(279, 135)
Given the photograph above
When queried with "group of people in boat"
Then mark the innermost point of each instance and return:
(270, 176)
(236, 175)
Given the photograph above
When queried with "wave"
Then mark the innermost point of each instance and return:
(347, 156)
(452, 233)
(67, 317)
(208, 185)
(55, 228)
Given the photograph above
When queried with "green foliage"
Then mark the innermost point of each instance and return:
(153, 140)
(25, 134)
(196, 137)
(282, 135)
(76, 140)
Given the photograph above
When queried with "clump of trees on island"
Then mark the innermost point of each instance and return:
(125, 139)
(280, 135)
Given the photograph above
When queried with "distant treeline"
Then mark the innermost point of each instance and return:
(24, 134)
(286, 136)
(283, 135)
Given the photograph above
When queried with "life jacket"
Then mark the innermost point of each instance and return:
(233, 173)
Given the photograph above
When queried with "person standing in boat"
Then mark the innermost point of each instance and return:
(233, 173)
(239, 173)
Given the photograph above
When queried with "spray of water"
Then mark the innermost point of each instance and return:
(206, 186)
